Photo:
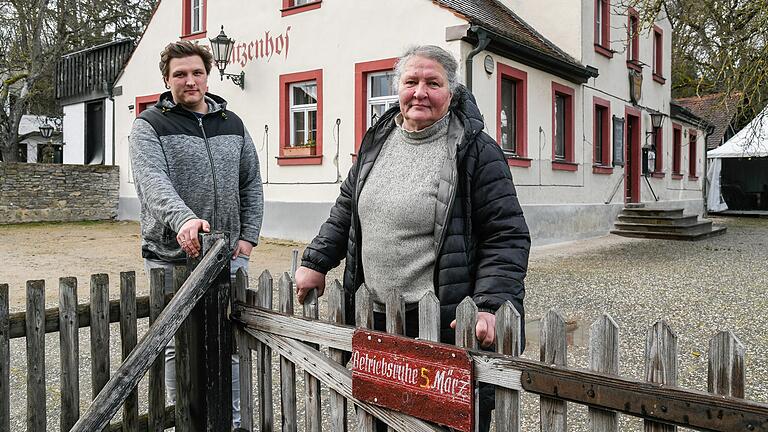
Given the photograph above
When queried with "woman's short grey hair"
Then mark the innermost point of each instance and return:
(432, 52)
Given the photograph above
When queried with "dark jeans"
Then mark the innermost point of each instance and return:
(487, 392)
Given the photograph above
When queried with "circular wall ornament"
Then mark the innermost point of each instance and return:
(489, 64)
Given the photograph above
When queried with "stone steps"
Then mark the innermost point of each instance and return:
(671, 224)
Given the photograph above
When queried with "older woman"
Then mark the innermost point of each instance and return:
(429, 206)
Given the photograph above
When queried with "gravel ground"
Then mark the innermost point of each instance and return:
(699, 288)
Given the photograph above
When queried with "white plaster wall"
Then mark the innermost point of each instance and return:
(108, 107)
(557, 20)
(74, 133)
(314, 44)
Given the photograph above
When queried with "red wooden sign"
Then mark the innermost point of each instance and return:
(430, 381)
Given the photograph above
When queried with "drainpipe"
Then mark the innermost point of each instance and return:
(482, 42)
(704, 186)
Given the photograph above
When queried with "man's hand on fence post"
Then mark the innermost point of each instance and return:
(187, 236)
(307, 280)
(485, 331)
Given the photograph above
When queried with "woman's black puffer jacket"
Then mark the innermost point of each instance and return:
(483, 250)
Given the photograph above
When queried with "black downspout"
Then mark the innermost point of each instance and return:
(482, 42)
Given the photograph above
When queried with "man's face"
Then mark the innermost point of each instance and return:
(188, 81)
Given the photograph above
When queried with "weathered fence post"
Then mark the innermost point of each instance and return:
(287, 368)
(554, 412)
(429, 317)
(466, 322)
(336, 308)
(156, 397)
(364, 319)
(660, 366)
(246, 357)
(210, 349)
(604, 357)
(507, 342)
(128, 337)
(264, 356)
(726, 365)
(36, 355)
(5, 360)
(187, 388)
(395, 313)
(313, 414)
(69, 353)
(99, 332)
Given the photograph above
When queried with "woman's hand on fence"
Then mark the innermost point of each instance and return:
(485, 330)
(187, 236)
(307, 280)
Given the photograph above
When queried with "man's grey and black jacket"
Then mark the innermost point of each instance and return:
(188, 167)
(481, 237)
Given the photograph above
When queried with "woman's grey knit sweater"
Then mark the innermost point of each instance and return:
(397, 213)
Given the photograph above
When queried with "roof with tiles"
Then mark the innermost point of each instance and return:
(498, 18)
(715, 110)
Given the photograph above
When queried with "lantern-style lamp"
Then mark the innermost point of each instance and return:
(46, 131)
(221, 47)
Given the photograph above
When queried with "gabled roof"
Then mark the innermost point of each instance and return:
(518, 38)
(716, 110)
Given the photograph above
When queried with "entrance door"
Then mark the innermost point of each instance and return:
(94, 133)
(632, 169)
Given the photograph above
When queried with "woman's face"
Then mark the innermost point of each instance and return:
(423, 92)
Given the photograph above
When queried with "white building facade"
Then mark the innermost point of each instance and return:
(556, 98)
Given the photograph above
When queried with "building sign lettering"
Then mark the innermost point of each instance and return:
(263, 48)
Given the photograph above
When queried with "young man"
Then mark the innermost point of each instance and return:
(195, 169)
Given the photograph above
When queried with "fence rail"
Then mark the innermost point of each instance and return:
(272, 337)
(655, 398)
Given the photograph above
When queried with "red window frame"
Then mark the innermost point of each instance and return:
(290, 9)
(144, 102)
(186, 20)
(568, 163)
(658, 55)
(602, 30)
(677, 150)
(602, 162)
(692, 144)
(285, 125)
(633, 40)
(521, 113)
(361, 93)
(658, 168)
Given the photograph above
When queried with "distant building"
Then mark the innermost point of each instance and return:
(720, 112)
(33, 147)
(568, 98)
(84, 89)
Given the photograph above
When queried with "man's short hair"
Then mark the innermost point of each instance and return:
(183, 49)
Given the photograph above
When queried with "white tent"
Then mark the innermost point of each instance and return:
(750, 142)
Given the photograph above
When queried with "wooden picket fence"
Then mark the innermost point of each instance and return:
(281, 340)
(656, 398)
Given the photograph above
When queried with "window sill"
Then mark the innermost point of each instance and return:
(605, 51)
(299, 160)
(693, 177)
(292, 10)
(602, 169)
(194, 36)
(634, 65)
(518, 161)
(658, 174)
(564, 166)
(677, 176)
(659, 79)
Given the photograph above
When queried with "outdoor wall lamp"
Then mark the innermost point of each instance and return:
(221, 46)
(46, 131)
(657, 120)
